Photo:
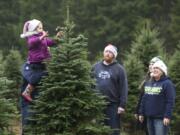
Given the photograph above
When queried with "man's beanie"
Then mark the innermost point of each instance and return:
(161, 65)
(112, 49)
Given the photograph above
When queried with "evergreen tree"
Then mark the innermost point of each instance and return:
(7, 108)
(1, 64)
(135, 74)
(145, 46)
(175, 20)
(108, 21)
(12, 67)
(159, 12)
(175, 76)
(67, 104)
(9, 16)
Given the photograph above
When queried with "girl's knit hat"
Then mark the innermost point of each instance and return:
(29, 28)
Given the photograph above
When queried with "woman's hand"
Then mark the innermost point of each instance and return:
(141, 118)
(166, 121)
(136, 116)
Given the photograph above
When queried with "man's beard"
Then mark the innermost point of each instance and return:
(108, 59)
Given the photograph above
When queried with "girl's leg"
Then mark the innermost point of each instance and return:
(27, 92)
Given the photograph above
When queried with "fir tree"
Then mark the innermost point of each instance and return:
(145, 46)
(175, 76)
(67, 104)
(9, 22)
(7, 108)
(12, 66)
(174, 26)
(135, 75)
(147, 43)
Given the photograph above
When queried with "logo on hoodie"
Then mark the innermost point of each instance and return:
(104, 75)
(153, 90)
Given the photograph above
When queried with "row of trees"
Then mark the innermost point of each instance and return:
(66, 104)
(119, 22)
(101, 21)
(10, 80)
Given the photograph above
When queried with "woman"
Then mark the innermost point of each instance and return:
(158, 100)
(140, 125)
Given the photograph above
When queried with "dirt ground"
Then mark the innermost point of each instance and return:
(16, 127)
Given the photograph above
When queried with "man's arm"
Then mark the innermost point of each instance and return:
(123, 88)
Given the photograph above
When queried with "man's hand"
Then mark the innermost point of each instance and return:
(120, 110)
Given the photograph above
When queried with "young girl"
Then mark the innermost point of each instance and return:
(37, 43)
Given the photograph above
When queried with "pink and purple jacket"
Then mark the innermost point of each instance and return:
(38, 49)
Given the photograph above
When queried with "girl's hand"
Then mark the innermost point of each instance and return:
(44, 34)
(59, 34)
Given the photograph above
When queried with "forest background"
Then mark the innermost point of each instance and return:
(141, 29)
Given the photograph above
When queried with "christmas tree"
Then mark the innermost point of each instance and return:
(175, 76)
(147, 43)
(145, 46)
(12, 65)
(7, 108)
(67, 103)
